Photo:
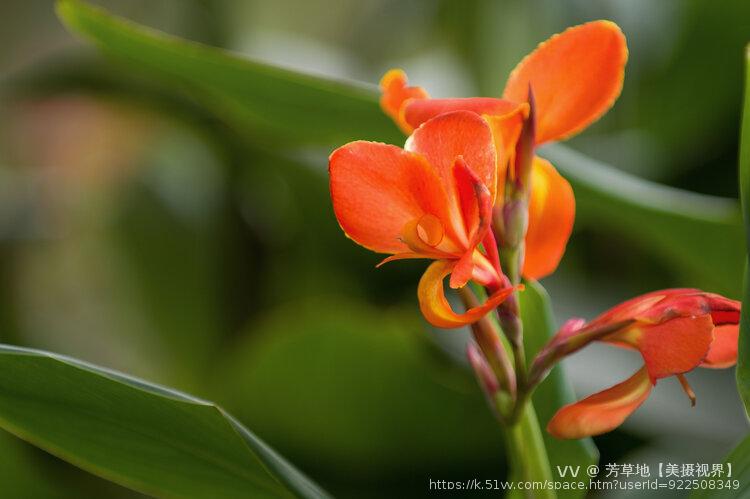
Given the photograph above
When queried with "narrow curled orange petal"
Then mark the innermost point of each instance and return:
(460, 133)
(476, 208)
(551, 217)
(435, 306)
(462, 271)
(603, 411)
(377, 189)
(723, 352)
(395, 94)
(575, 76)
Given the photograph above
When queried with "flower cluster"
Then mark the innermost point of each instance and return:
(468, 191)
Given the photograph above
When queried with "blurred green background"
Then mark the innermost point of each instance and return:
(141, 232)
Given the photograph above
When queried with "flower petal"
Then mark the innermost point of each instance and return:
(648, 307)
(435, 306)
(377, 189)
(575, 76)
(396, 93)
(603, 411)
(460, 133)
(506, 129)
(723, 352)
(551, 217)
(723, 310)
(476, 209)
(417, 112)
(674, 346)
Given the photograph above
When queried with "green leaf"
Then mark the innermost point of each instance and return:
(365, 380)
(739, 459)
(146, 437)
(699, 234)
(555, 391)
(269, 102)
(272, 104)
(743, 357)
(21, 476)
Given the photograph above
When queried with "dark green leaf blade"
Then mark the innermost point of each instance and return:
(146, 437)
(743, 359)
(271, 103)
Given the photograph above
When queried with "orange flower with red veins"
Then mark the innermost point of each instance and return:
(675, 331)
(575, 77)
(432, 199)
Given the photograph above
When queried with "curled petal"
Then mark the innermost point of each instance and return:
(603, 411)
(476, 207)
(435, 306)
(475, 201)
(424, 234)
(723, 310)
(377, 189)
(551, 217)
(723, 352)
(575, 75)
(461, 133)
(396, 93)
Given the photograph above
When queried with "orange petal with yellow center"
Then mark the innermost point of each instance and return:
(575, 76)
(723, 352)
(435, 306)
(603, 411)
(377, 189)
(395, 94)
(551, 217)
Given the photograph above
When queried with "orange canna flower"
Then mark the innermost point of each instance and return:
(675, 331)
(575, 76)
(432, 199)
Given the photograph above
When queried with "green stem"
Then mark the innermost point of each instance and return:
(528, 455)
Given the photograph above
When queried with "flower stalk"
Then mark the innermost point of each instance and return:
(512, 222)
(528, 455)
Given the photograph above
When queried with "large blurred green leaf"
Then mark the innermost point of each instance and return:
(698, 234)
(739, 459)
(555, 391)
(743, 357)
(145, 437)
(345, 386)
(268, 101)
(20, 476)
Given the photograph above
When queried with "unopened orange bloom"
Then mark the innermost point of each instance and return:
(575, 77)
(675, 331)
(432, 199)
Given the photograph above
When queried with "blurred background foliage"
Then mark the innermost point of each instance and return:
(141, 231)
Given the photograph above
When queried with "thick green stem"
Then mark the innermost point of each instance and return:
(528, 455)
